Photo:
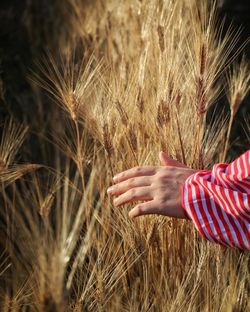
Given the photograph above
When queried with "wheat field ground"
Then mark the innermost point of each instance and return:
(117, 82)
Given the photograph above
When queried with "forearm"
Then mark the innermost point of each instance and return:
(217, 202)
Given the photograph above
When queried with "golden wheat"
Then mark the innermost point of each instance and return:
(142, 77)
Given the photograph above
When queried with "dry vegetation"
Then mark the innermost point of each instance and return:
(131, 78)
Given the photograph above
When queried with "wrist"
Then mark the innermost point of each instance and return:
(183, 190)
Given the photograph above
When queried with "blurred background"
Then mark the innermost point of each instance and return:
(29, 28)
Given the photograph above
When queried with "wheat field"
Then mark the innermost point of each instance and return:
(130, 78)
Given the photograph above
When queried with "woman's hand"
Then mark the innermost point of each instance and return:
(159, 186)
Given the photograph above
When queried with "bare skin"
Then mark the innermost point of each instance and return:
(159, 186)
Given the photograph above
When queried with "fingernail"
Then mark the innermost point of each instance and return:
(131, 216)
(109, 190)
(115, 178)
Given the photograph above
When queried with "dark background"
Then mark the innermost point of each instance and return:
(30, 27)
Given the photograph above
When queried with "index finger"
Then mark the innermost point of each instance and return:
(135, 172)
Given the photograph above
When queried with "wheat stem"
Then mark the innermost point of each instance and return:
(228, 136)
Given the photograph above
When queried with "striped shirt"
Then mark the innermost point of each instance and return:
(218, 202)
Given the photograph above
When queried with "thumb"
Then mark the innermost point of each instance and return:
(168, 161)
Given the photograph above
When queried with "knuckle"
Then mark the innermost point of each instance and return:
(154, 184)
(161, 179)
(137, 169)
(131, 182)
(138, 210)
(159, 174)
(132, 193)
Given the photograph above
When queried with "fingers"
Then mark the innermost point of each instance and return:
(135, 172)
(149, 207)
(134, 194)
(124, 186)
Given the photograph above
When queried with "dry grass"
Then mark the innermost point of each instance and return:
(139, 79)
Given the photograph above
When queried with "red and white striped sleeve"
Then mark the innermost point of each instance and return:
(218, 202)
